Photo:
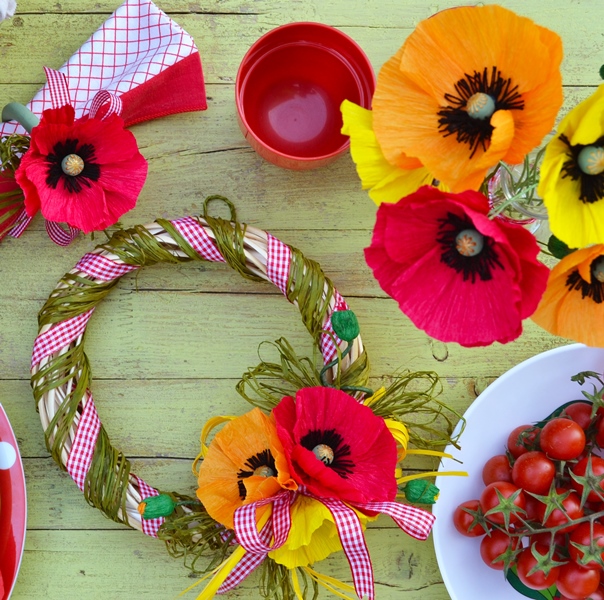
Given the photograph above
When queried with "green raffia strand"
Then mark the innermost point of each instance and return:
(429, 420)
(276, 583)
(12, 147)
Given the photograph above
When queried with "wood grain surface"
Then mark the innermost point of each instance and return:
(167, 347)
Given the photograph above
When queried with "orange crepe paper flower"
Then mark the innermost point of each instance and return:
(244, 463)
(470, 87)
(573, 303)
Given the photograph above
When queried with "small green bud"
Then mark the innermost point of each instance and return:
(602, 71)
(421, 491)
(558, 248)
(345, 325)
(156, 506)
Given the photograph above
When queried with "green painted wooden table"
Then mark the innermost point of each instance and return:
(167, 347)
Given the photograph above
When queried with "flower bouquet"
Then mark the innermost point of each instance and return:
(448, 152)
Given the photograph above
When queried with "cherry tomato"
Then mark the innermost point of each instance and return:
(600, 433)
(576, 582)
(534, 472)
(497, 468)
(572, 511)
(597, 468)
(518, 445)
(562, 439)
(579, 412)
(489, 500)
(463, 520)
(582, 535)
(538, 580)
(545, 539)
(494, 545)
(532, 508)
(597, 595)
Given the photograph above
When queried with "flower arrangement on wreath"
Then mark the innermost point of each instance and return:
(461, 107)
(300, 476)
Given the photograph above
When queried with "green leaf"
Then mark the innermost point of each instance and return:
(345, 325)
(515, 582)
(558, 248)
(602, 71)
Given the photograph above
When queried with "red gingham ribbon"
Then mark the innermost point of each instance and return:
(101, 267)
(58, 88)
(101, 99)
(84, 443)
(278, 262)
(59, 335)
(246, 529)
(328, 347)
(412, 520)
(21, 224)
(247, 564)
(150, 526)
(194, 233)
(59, 236)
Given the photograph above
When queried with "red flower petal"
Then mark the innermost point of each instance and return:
(371, 448)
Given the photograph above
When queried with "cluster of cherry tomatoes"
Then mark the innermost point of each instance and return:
(541, 514)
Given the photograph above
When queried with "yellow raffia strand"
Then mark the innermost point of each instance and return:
(331, 583)
(210, 425)
(430, 453)
(400, 433)
(375, 396)
(296, 585)
(431, 474)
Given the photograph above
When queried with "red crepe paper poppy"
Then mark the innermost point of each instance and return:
(337, 447)
(458, 275)
(85, 173)
(11, 202)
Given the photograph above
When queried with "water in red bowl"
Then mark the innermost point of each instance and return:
(289, 89)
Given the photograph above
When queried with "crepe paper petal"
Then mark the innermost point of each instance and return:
(361, 454)
(574, 199)
(573, 303)
(244, 463)
(421, 99)
(12, 202)
(109, 170)
(474, 298)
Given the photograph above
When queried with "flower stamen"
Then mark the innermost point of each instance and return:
(581, 160)
(322, 442)
(593, 290)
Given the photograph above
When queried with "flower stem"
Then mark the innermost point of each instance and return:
(14, 111)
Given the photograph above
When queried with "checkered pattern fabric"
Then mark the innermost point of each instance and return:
(246, 529)
(84, 443)
(21, 225)
(328, 347)
(278, 262)
(59, 335)
(150, 526)
(247, 564)
(412, 520)
(101, 267)
(198, 238)
(134, 45)
(60, 236)
(101, 99)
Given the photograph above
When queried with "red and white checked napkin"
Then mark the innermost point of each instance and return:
(139, 55)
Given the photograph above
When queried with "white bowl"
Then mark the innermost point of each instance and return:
(525, 394)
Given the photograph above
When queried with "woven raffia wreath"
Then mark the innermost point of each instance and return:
(79, 444)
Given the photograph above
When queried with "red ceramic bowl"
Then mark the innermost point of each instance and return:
(13, 508)
(289, 89)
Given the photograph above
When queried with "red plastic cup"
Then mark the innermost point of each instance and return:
(289, 88)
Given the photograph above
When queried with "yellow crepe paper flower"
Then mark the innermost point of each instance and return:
(385, 182)
(313, 535)
(575, 198)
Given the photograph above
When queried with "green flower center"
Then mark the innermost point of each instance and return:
(591, 160)
(480, 106)
(72, 165)
(264, 471)
(469, 242)
(324, 453)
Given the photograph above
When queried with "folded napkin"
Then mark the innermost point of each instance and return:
(7, 9)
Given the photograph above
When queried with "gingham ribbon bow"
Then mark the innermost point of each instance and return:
(412, 520)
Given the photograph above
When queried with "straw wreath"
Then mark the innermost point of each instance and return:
(61, 374)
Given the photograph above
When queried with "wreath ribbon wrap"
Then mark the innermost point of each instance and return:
(60, 370)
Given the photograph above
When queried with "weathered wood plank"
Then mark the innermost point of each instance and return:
(71, 565)
(224, 38)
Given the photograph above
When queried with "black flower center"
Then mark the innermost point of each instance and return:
(592, 186)
(593, 290)
(465, 249)
(319, 439)
(73, 184)
(465, 117)
(262, 464)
